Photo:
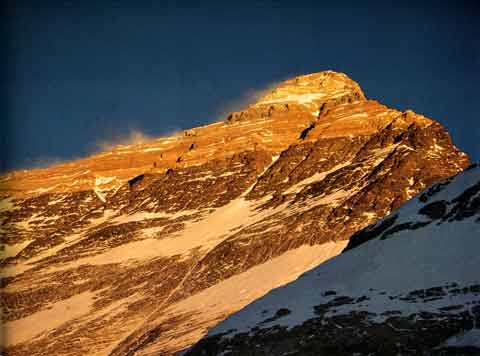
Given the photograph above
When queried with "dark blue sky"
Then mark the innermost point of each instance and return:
(75, 73)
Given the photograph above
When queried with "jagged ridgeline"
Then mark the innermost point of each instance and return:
(142, 249)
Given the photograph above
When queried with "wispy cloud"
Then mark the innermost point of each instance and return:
(133, 137)
(136, 136)
(248, 97)
(45, 162)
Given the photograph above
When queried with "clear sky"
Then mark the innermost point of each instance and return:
(76, 73)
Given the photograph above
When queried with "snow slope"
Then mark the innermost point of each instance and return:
(414, 266)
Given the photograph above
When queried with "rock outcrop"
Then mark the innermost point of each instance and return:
(141, 249)
(406, 285)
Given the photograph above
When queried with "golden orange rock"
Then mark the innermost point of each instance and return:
(140, 249)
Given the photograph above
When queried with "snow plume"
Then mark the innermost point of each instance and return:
(170, 132)
(133, 137)
(250, 96)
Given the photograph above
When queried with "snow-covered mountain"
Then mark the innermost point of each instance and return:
(141, 249)
(407, 285)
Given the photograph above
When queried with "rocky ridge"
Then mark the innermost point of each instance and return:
(141, 249)
(408, 284)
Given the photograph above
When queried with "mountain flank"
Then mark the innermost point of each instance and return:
(407, 285)
(141, 249)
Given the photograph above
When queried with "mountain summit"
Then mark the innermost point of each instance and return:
(141, 249)
(315, 88)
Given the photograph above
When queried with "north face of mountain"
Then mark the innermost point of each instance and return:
(272, 124)
(408, 284)
(141, 249)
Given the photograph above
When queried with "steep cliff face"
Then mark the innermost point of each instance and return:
(408, 284)
(141, 249)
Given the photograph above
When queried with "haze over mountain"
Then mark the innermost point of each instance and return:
(141, 249)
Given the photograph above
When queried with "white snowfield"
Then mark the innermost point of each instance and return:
(204, 233)
(430, 256)
(207, 307)
(300, 98)
(213, 304)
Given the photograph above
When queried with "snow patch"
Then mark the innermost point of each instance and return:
(40, 190)
(12, 250)
(317, 177)
(24, 329)
(467, 338)
(215, 303)
(7, 204)
(99, 195)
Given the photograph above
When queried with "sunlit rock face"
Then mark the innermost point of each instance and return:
(315, 90)
(408, 284)
(141, 249)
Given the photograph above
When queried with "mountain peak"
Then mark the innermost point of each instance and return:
(253, 201)
(313, 88)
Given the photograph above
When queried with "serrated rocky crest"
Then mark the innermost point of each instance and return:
(141, 249)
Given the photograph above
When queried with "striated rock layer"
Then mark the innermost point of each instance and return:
(406, 285)
(140, 250)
